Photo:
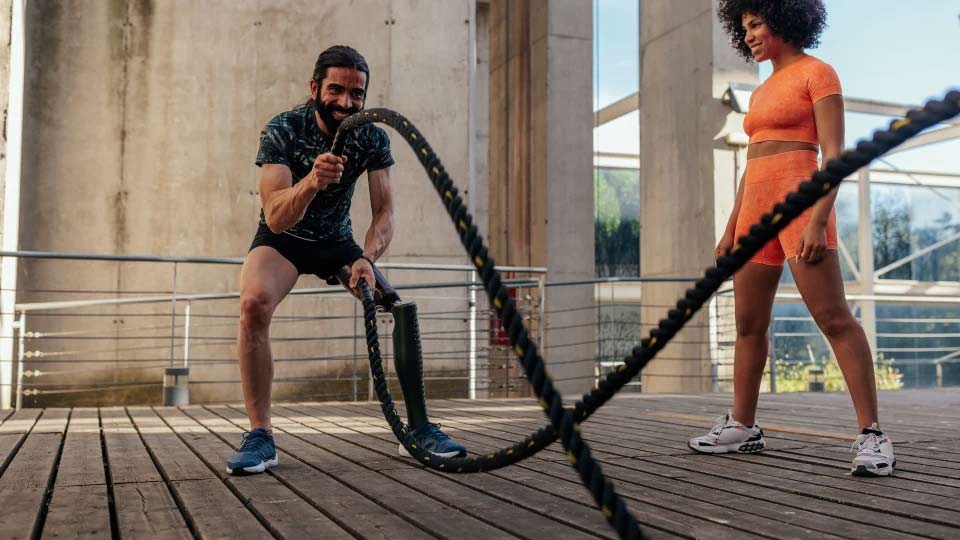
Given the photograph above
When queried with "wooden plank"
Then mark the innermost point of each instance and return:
(744, 501)
(729, 508)
(861, 508)
(144, 503)
(707, 528)
(317, 483)
(175, 459)
(127, 457)
(288, 515)
(25, 481)
(841, 479)
(79, 512)
(210, 506)
(434, 516)
(148, 510)
(82, 461)
(13, 432)
(79, 505)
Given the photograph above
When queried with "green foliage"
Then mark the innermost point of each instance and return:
(794, 376)
(617, 223)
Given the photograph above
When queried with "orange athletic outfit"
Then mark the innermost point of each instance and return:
(781, 109)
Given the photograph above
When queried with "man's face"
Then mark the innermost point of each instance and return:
(340, 94)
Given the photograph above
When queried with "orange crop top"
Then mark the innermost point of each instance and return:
(781, 109)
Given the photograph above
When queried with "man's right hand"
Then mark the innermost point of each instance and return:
(327, 169)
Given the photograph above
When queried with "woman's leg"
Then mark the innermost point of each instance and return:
(821, 286)
(754, 288)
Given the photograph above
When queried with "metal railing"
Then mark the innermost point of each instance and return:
(457, 330)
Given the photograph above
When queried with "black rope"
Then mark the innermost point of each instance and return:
(565, 422)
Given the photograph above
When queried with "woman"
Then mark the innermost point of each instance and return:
(795, 113)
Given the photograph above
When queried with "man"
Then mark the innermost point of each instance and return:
(305, 229)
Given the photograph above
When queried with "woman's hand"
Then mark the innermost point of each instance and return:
(724, 245)
(813, 243)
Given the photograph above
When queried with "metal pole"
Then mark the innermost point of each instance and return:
(186, 335)
(773, 358)
(173, 314)
(356, 331)
(472, 329)
(21, 333)
(868, 308)
(13, 121)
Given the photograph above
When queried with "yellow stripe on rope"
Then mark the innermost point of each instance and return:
(413, 136)
(497, 303)
(448, 194)
(606, 512)
(463, 225)
(776, 218)
(478, 261)
(900, 123)
(571, 458)
(436, 171)
(518, 350)
(735, 248)
(423, 151)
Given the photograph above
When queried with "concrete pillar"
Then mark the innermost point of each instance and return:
(541, 164)
(688, 173)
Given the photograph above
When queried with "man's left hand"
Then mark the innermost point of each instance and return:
(362, 269)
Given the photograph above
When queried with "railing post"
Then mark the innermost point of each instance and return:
(21, 327)
(186, 335)
(472, 329)
(773, 358)
(173, 314)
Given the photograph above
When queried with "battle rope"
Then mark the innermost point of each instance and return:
(565, 422)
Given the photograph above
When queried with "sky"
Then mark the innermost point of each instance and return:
(905, 52)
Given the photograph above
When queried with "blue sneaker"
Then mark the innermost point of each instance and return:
(431, 439)
(256, 454)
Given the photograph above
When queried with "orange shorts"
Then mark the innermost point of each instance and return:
(768, 180)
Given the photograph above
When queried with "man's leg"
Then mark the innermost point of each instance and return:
(408, 360)
(265, 280)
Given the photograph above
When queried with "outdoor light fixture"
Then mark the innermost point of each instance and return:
(737, 96)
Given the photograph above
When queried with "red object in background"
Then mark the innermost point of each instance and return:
(498, 336)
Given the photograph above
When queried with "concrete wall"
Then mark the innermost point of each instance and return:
(142, 123)
(541, 187)
(687, 173)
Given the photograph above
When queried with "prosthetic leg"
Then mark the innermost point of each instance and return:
(408, 359)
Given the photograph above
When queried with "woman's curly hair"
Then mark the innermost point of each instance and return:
(797, 22)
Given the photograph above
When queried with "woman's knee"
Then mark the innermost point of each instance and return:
(751, 326)
(834, 320)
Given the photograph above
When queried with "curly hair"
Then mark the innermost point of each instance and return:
(797, 22)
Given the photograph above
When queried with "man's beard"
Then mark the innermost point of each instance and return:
(326, 110)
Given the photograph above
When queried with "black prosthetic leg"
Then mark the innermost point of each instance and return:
(408, 356)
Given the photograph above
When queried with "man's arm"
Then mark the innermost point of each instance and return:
(381, 228)
(284, 204)
(380, 232)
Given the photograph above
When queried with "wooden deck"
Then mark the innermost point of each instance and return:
(159, 473)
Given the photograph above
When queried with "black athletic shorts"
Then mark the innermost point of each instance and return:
(322, 258)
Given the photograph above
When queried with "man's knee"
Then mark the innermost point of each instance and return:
(256, 310)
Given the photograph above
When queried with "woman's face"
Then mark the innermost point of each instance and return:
(763, 43)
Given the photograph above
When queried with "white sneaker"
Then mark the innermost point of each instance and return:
(874, 454)
(729, 436)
